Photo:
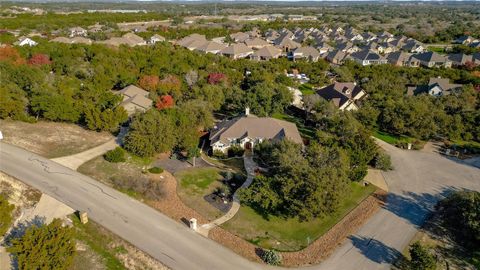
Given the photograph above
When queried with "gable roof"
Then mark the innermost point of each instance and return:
(211, 46)
(268, 52)
(306, 52)
(339, 93)
(255, 127)
(367, 55)
(133, 90)
(443, 83)
(256, 42)
(430, 57)
(236, 49)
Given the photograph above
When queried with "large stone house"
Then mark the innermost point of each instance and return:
(345, 96)
(248, 130)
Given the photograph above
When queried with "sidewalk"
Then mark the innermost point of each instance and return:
(250, 168)
(74, 161)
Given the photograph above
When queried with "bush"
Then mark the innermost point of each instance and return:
(219, 154)
(155, 170)
(421, 258)
(115, 155)
(383, 161)
(235, 151)
(5, 214)
(271, 257)
(44, 247)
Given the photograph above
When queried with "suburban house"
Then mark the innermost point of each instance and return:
(286, 44)
(25, 41)
(308, 53)
(77, 31)
(236, 51)
(461, 59)
(436, 87)
(413, 46)
(432, 59)
(367, 57)
(399, 58)
(156, 38)
(74, 40)
(345, 96)
(192, 41)
(239, 37)
(256, 43)
(336, 57)
(248, 130)
(465, 40)
(211, 47)
(266, 53)
(134, 99)
(129, 39)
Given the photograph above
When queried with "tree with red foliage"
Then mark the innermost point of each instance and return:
(164, 102)
(149, 82)
(11, 55)
(39, 59)
(216, 78)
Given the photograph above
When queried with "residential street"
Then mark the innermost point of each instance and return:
(416, 183)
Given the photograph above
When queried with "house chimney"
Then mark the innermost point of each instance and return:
(247, 111)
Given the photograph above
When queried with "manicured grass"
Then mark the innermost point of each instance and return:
(306, 89)
(98, 239)
(198, 179)
(291, 234)
(391, 139)
(305, 131)
(439, 50)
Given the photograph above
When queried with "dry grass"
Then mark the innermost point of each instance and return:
(50, 139)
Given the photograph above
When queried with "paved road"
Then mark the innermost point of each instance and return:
(418, 180)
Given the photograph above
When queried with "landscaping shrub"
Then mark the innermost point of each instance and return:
(271, 257)
(235, 151)
(383, 161)
(219, 154)
(155, 170)
(421, 258)
(115, 155)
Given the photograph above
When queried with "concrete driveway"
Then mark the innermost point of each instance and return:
(418, 181)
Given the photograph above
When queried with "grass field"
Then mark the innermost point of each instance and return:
(291, 234)
(198, 180)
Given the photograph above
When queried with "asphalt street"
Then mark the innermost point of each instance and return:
(418, 181)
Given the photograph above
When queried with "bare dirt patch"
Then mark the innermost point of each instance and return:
(51, 139)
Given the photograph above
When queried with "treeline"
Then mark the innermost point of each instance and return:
(51, 21)
(73, 83)
(390, 109)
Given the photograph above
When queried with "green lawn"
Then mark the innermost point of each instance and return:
(439, 50)
(305, 131)
(291, 234)
(306, 89)
(198, 179)
(233, 164)
(391, 139)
